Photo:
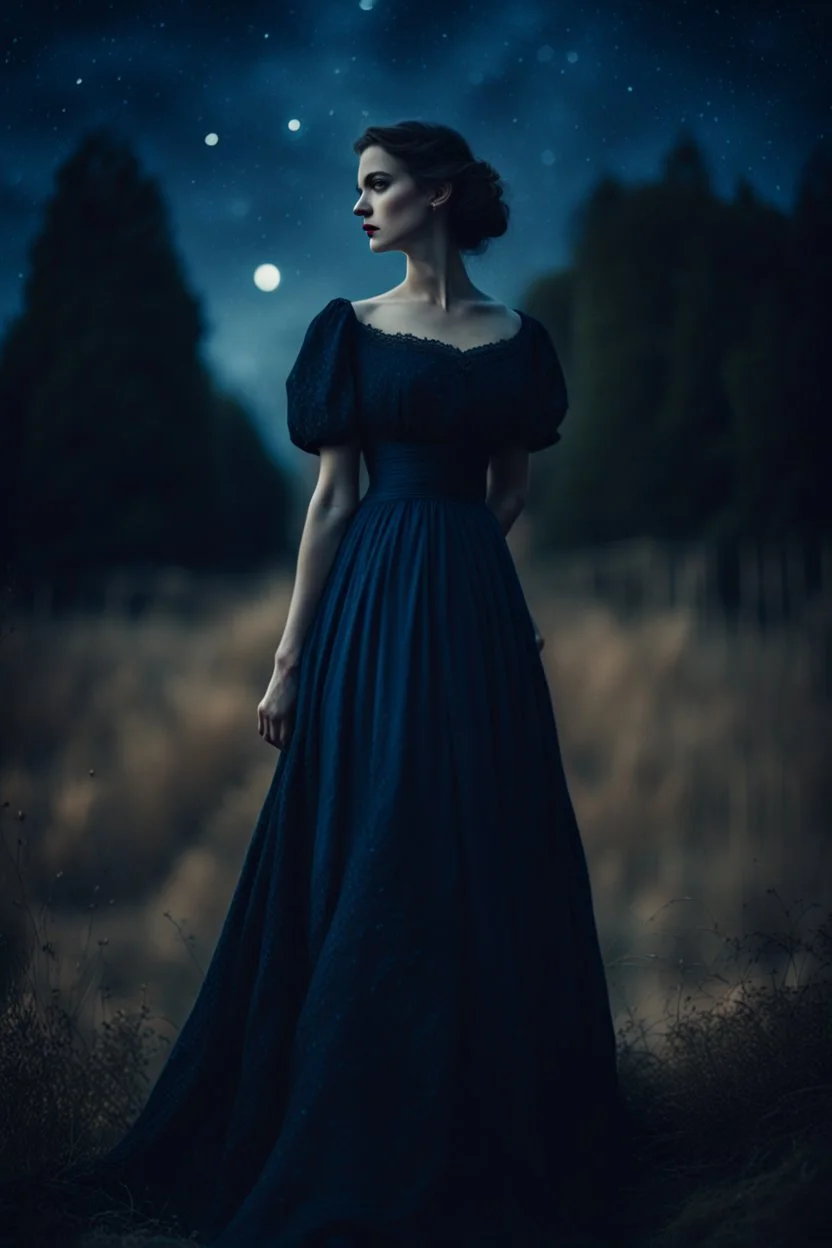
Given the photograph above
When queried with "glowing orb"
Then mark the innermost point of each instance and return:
(267, 277)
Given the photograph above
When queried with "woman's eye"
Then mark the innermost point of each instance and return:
(377, 186)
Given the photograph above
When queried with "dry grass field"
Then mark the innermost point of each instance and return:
(697, 759)
(133, 772)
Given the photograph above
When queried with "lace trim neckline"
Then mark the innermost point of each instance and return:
(439, 342)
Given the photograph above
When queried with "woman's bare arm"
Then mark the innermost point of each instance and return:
(508, 484)
(326, 523)
(506, 507)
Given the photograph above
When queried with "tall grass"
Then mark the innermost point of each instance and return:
(131, 774)
(731, 1097)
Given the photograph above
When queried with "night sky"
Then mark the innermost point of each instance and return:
(554, 93)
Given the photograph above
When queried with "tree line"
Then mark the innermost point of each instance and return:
(693, 336)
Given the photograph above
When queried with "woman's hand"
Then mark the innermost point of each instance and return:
(539, 641)
(276, 712)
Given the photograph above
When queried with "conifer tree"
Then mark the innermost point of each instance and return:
(110, 444)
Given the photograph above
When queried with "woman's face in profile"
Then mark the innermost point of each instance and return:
(389, 200)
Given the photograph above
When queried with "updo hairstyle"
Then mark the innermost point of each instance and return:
(433, 153)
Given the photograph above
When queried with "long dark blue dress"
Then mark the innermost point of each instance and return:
(404, 1031)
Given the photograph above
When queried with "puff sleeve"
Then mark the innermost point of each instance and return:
(320, 387)
(548, 400)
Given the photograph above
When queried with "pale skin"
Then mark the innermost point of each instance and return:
(436, 300)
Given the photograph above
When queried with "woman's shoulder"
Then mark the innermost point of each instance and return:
(331, 317)
(364, 309)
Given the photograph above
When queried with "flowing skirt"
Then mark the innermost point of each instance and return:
(404, 1030)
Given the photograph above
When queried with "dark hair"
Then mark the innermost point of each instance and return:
(432, 154)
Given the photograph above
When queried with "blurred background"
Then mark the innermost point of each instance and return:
(176, 194)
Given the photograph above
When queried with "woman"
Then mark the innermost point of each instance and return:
(404, 1035)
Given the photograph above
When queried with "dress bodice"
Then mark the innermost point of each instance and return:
(353, 382)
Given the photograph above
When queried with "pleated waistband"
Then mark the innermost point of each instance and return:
(426, 470)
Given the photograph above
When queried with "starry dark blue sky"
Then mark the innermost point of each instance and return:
(554, 94)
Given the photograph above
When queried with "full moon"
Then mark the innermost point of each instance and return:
(267, 277)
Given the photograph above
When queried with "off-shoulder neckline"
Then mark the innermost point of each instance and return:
(399, 335)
